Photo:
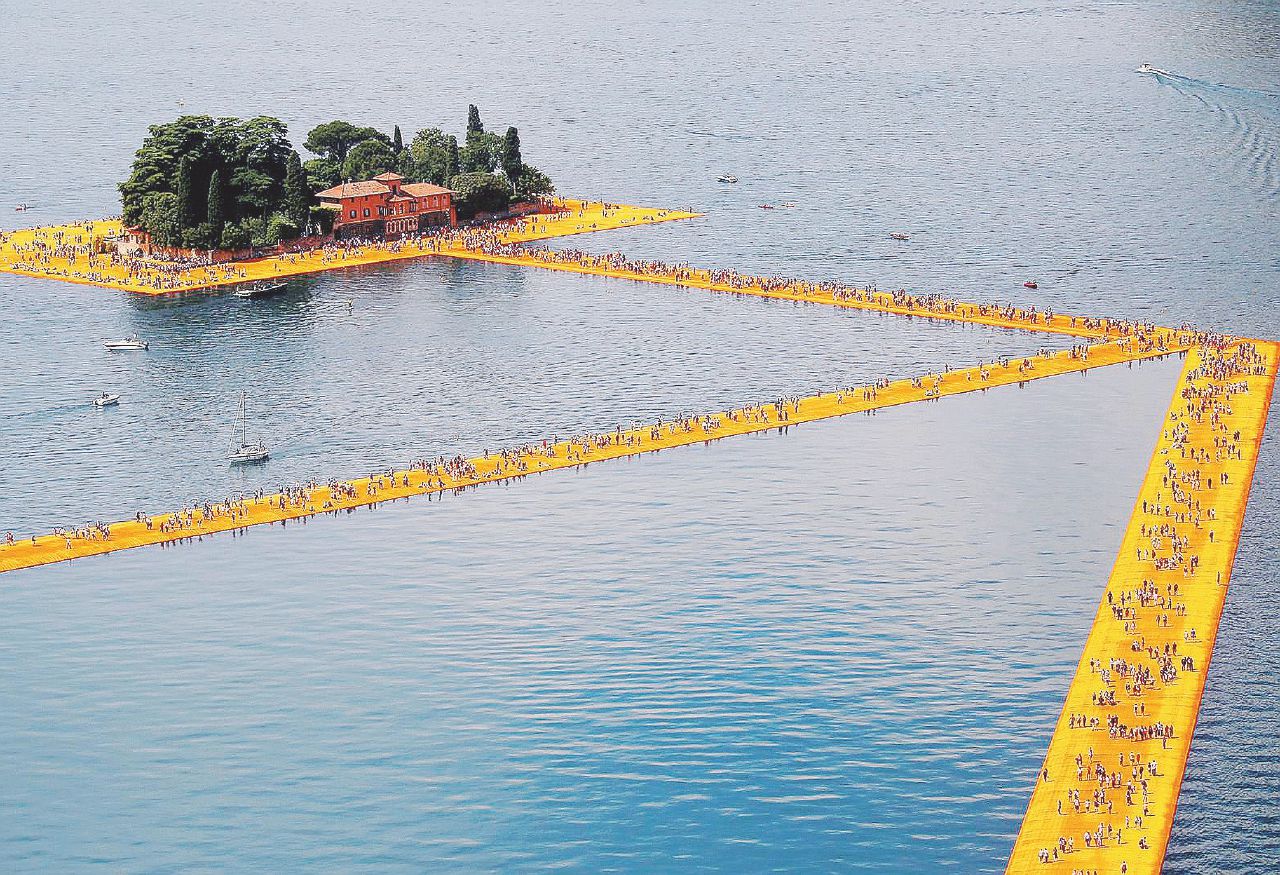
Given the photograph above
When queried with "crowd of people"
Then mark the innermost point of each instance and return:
(85, 252)
(1173, 529)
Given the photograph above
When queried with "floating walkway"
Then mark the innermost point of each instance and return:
(798, 291)
(460, 473)
(1106, 796)
(1105, 799)
(75, 253)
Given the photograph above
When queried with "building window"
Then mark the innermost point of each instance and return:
(353, 214)
(366, 213)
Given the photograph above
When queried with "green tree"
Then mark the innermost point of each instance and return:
(297, 195)
(397, 142)
(455, 162)
(159, 217)
(480, 192)
(333, 140)
(215, 218)
(261, 161)
(367, 159)
(533, 184)
(281, 227)
(474, 125)
(237, 236)
(430, 156)
(322, 173)
(510, 158)
(188, 209)
(481, 152)
(155, 164)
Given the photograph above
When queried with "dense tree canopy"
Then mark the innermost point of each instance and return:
(480, 192)
(333, 140)
(181, 159)
(203, 182)
(369, 158)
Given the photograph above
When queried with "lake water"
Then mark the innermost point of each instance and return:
(840, 647)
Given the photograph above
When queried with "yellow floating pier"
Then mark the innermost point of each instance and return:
(460, 473)
(73, 253)
(1105, 799)
(1106, 796)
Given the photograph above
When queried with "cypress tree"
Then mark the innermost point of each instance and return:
(474, 125)
(297, 194)
(455, 162)
(216, 217)
(187, 216)
(397, 141)
(512, 163)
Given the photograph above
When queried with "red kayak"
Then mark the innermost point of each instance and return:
(1031, 284)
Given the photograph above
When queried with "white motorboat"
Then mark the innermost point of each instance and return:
(898, 235)
(106, 399)
(242, 450)
(1144, 67)
(260, 290)
(726, 177)
(130, 342)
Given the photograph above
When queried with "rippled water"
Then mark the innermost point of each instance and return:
(841, 647)
(761, 654)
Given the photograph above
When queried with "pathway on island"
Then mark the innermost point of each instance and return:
(1106, 797)
(69, 253)
(547, 456)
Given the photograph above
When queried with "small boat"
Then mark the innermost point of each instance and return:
(788, 205)
(727, 178)
(106, 399)
(766, 206)
(1144, 67)
(22, 208)
(260, 290)
(243, 451)
(898, 235)
(1031, 284)
(130, 342)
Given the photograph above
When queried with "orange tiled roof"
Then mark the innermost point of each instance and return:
(422, 189)
(354, 189)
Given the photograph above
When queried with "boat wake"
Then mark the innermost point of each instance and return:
(1252, 118)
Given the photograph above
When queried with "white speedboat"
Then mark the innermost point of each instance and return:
(260, 290)
(1144, 67)
(130, 342)
(242, 449)
(726, 177)
(106, 399)
(898, 235)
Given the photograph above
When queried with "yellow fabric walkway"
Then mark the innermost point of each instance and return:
(1161, 607)
(178, 525)
(70, 253)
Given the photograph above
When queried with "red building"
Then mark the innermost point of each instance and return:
(387, 206)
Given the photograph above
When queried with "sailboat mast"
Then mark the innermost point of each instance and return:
(244, 431)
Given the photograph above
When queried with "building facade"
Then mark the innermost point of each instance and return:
(387, 206)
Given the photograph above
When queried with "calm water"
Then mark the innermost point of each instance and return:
(837, 648)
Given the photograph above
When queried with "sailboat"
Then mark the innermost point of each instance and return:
(243, 451)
